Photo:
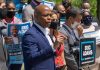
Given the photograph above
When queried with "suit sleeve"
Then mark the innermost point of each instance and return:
(32, 51)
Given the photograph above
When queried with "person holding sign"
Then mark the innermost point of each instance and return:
(72, 42)
(10, 19)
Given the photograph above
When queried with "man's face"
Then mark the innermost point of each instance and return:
(76, 21)
(61, 9)
(14, 31)
(45, 17)
(86, 7)
(78, 18)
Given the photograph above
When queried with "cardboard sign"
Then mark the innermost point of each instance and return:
(87, 51)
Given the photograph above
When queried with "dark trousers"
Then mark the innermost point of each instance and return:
(15, 67)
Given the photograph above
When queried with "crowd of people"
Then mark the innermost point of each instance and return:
(50, 41)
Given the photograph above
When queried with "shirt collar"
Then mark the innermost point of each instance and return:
(44, 30)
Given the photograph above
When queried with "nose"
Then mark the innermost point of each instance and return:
(49, 18)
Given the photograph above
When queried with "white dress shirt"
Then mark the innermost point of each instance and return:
(46, 32)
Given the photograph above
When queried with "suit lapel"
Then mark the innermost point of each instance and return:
(41, 34)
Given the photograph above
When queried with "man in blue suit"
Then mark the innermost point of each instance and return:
(37, 46)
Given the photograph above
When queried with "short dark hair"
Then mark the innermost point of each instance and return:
(73, 12)
(66, 3)
(9, 2)
(56, 7)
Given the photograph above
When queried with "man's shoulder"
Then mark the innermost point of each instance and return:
(64, 27)
(28, 7)
(32, 30)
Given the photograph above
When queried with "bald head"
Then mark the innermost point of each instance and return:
(40, 9)
(86, 5)
(42, 15)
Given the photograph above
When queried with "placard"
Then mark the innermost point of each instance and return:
(15, 33)
(87, 51)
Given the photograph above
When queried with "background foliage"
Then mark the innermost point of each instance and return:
(78, 3)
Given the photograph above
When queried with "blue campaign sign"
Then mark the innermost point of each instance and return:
(14, 47)
(87, 51)
(49, 4)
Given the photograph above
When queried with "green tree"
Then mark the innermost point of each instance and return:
(98, 10)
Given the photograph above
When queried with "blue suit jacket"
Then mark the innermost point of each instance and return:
(38, 54)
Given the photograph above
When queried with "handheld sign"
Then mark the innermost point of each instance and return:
(15, 33)
(49, 4)
(87, 51)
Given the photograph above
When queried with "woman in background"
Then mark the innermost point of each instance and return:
(54, 27)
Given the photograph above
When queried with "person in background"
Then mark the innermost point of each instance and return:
(3, 51)
(2, 4)
(67, 4)
(19, 7)
(28, 11)
(87, 23)
(67, 29)
(86, 7)
(38, 48)
(62, 12)
(60, 8)
(10, 19)
(54, 31)
(88, 27)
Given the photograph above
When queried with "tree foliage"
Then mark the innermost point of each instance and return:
(78, 4)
